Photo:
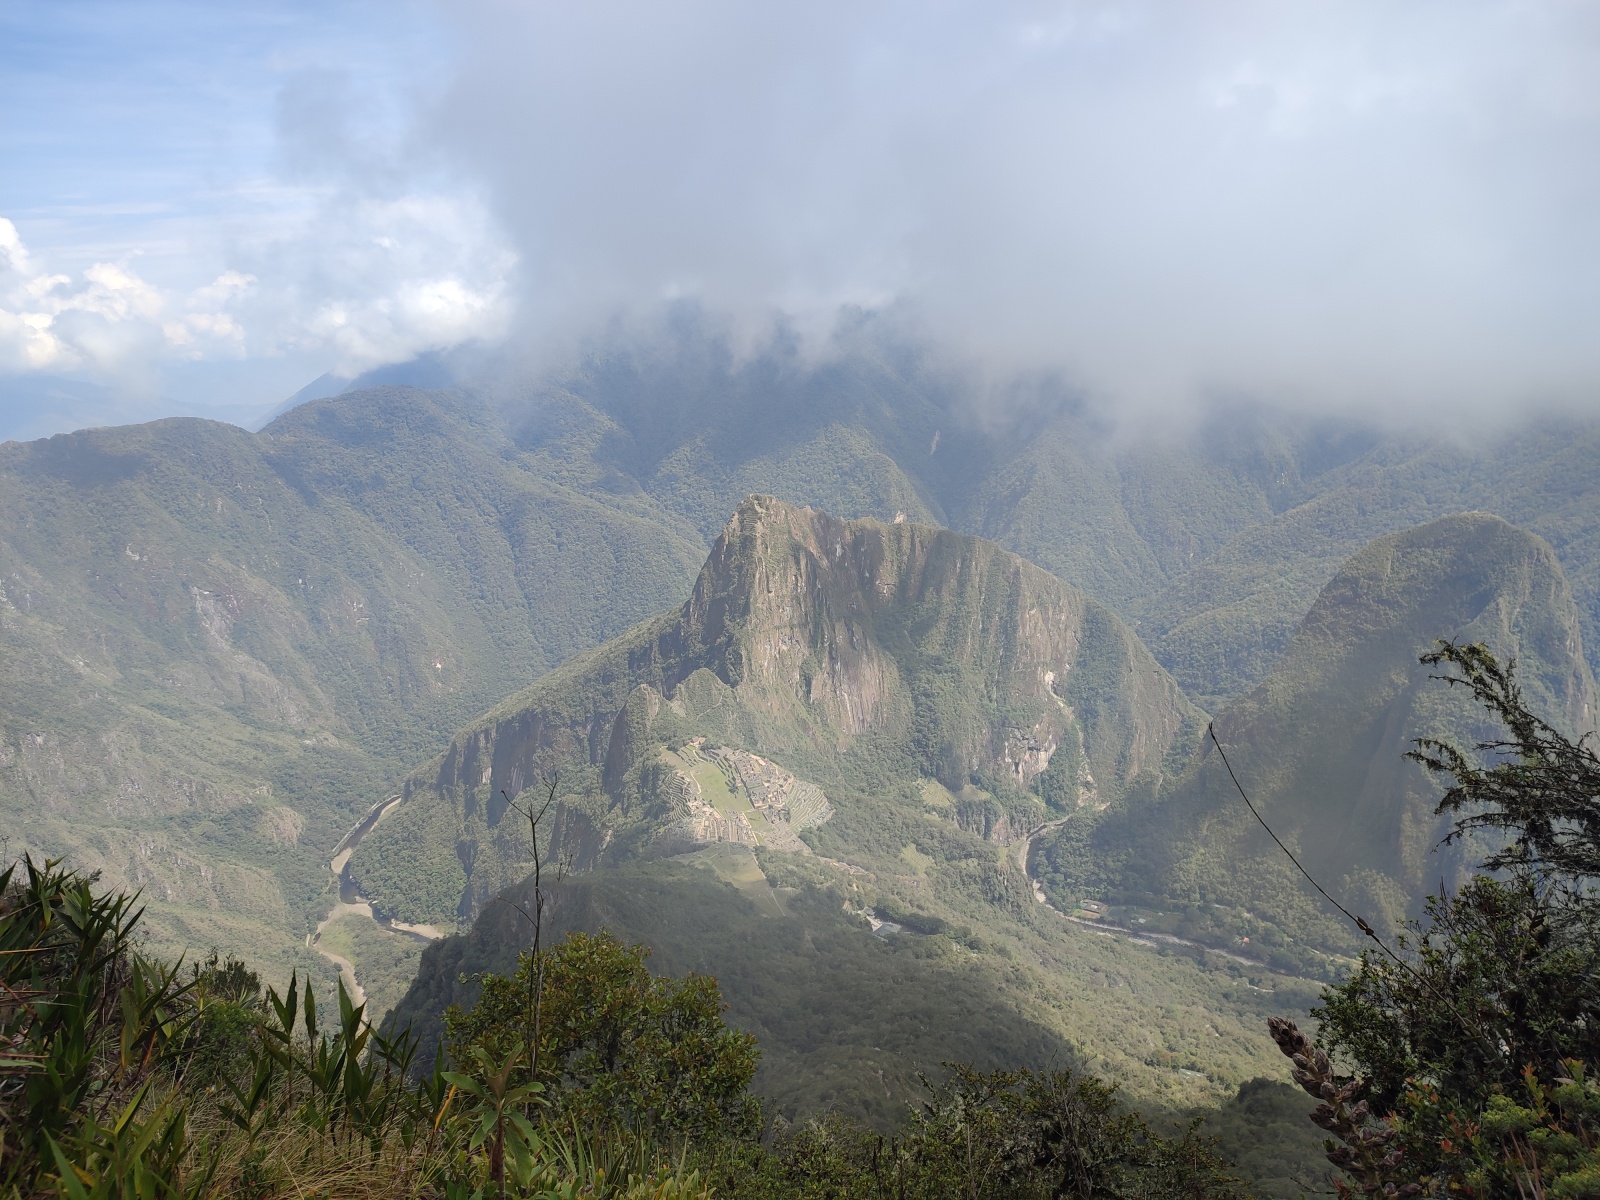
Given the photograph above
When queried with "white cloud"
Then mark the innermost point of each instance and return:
(48, 321)
(373, 279)
(114, 293)
(359, 281)
(207, 329)
(13, 254)
(1341, 200)
(108, 320)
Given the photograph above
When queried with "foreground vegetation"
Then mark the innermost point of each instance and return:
(582, 1075)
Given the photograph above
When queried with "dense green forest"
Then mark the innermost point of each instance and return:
(846, 1019)
(1008, 792)
(847, 723)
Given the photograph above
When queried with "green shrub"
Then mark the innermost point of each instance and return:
(613, 1045)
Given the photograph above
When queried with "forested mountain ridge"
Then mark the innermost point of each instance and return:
(1221, 625)
(1011, 709)
(818, 780)
(1320, 746)
(1211, 534)
(219, 647)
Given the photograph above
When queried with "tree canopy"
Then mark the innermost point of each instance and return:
(613, 1042)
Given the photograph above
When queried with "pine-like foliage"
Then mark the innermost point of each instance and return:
(1470, 1048)
(1541, 787)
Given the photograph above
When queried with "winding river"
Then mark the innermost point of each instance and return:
(350, 900)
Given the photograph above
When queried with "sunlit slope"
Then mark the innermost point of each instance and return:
(1319, 744)
(873, 661)
(219, 646)
(314, 609)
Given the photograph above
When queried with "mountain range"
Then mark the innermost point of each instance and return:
(975, 672)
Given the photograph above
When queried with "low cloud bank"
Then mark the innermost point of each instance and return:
(1165, 206)
(1325, 203)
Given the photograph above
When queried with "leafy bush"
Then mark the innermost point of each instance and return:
(83, 1017)
(120, 1078)
(610, 1044)
(1003, 1135)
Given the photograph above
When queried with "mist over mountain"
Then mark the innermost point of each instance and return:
(767, 520)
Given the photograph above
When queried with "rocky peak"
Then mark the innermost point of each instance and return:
(796, 607)
(808, 640)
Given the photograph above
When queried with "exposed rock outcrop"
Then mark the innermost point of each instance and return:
(811, 638)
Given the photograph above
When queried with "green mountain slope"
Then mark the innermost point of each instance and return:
(219, 647)
(846, 1018)
(830, 1003)
(1318, 745)
(1220, 624)
(194, 616)
(299, 614)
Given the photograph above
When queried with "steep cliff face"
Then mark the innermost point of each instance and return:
(844, 624)
(820, 644)
(1320, 743)
(782, 613)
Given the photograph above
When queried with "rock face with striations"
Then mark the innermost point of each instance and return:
(822, 648)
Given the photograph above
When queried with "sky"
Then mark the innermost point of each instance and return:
(1385, 207)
